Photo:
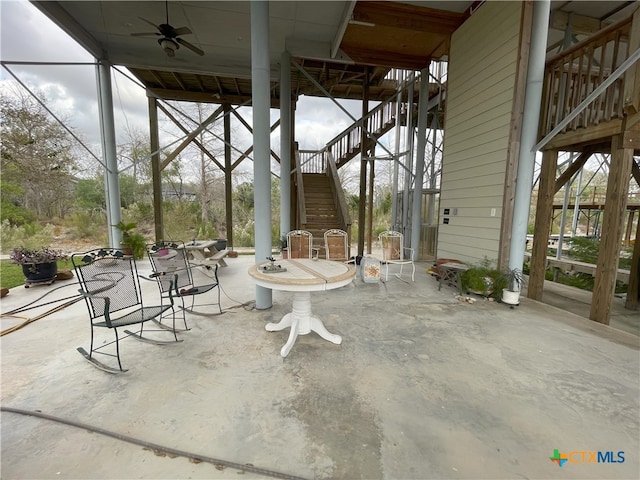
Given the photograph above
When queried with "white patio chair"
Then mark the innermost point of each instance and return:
(395, 253)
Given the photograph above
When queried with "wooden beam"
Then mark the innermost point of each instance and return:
(515, 132)
(195, 140)
(580, 24)
(407, 17)
(156, 178)
(363, 169)
(632, 76)
(228, 185)
(585, 136)
(635, 172)
(544, 212)
(389, 58)
(631, 137)
(614, 212)
(169, 158)
(572, 169)
(633, 289)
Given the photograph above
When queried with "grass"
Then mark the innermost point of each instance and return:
(11, 274)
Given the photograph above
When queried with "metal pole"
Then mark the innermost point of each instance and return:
(576, 205)
(526, 157)
(563, 216)
(408, 158)
(260, 76)
(416, 217)
(108, 138)
(285, 143)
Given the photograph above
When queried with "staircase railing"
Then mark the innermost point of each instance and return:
(348, 141)
(338, 195)
(573, 74)
(301, 209)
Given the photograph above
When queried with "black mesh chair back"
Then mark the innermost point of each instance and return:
(110, 284)
(175, 277)
(112, 273)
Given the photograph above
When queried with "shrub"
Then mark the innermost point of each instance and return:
(31, 236)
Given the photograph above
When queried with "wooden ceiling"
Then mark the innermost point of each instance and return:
(399, 35)
(378, 37)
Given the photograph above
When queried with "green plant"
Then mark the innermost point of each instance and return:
(133, 240)
(25, 256)
(514, 279)
(483, 279)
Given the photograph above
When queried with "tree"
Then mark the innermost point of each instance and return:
(36, 156)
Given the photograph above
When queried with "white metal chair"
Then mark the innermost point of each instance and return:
(395, 253)
(336, 245)
(300, 244)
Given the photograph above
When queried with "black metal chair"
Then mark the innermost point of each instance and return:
(110, 285)
(174, 276)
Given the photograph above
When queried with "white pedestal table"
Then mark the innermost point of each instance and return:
(303, 276)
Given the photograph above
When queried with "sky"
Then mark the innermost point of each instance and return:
(26, 35)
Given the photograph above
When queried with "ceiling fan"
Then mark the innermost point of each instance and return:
(170, 41)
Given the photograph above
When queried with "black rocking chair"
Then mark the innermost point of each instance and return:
(174, 276)
(110, 285)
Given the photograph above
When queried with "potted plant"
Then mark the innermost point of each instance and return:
(514, 279)
(38, 265)
(132, 243)
(482, 279)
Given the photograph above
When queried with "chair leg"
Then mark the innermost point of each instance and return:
(219, 305)
(118, 349)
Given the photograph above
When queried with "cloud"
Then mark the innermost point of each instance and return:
(27, 35)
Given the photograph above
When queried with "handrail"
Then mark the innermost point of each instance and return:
(302, 211)
(584, 85)
(338, 194)
(349, 139)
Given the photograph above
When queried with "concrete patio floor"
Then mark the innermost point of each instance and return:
(422, 386)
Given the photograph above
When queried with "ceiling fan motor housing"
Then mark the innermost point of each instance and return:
(169, 45)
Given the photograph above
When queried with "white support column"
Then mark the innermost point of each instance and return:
(285, 143)
(526, 160)
(416, 213)
(108, 139)
(408, 159)
(260, 77)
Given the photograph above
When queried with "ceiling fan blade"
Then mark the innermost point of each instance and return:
(149, 22)
(182, 31)
(191, 47)
(145, 34)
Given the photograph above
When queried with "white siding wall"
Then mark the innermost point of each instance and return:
(482, 68)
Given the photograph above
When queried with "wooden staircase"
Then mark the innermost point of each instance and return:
(321, 209)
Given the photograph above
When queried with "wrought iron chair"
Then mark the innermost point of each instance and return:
(336, 245)
(395, 253)
(174, 275)
(110, 285)
(300, 244)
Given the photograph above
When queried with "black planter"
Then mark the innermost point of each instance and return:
(39, 272)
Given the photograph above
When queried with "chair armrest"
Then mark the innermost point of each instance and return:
(411, 250)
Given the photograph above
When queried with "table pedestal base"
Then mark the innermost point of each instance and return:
(301, 322)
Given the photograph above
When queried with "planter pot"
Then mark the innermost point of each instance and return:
(127, 251)
(39, 273)
(510, 298)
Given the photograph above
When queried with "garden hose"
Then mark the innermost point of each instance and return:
(157, 449)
